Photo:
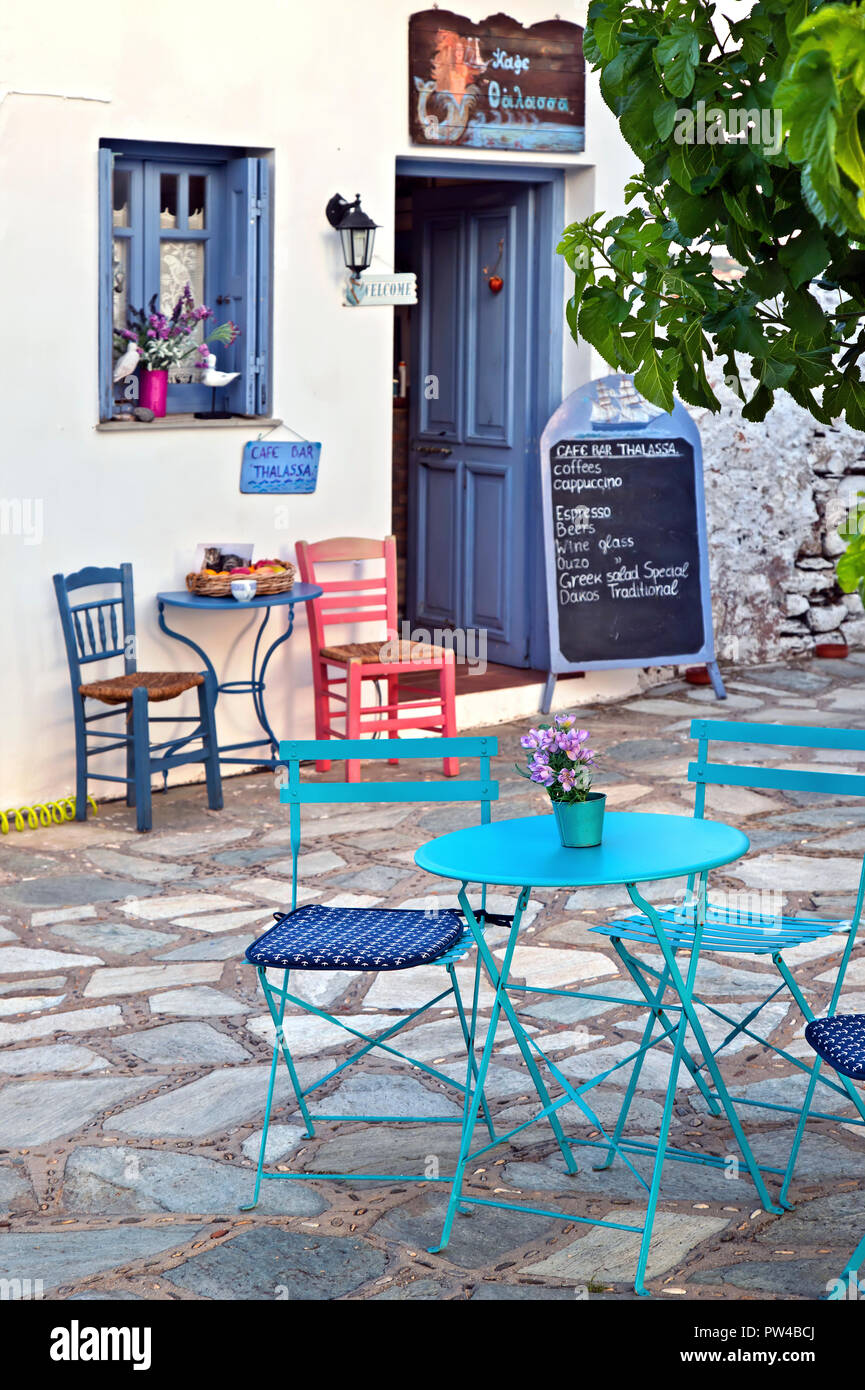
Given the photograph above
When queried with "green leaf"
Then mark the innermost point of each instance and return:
(759, 405)
(805, 255)
(601, 38)
(808, 99)
(664, 118)
(596, 324)
(676, 56)
(851, 567)
(774, 373)
(804, 315)
(654, 382)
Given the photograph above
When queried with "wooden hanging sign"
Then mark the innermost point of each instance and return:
(496, 85)
(280, 466)
(365, 291)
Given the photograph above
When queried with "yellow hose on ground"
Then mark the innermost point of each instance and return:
(42, 813)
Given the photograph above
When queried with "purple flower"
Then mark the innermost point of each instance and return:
(543, 774)
(570, 744)
(567, 778)
(532, 739)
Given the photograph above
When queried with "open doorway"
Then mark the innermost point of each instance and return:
(477, 371)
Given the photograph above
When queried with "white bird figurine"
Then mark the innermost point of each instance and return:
(125, 365)
(214, 378)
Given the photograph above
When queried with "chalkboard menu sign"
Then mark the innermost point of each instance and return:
(625, 534)
(496, 85)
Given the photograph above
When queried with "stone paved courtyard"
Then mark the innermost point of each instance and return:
(136, 1048)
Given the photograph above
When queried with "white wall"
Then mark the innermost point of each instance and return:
(325, 87)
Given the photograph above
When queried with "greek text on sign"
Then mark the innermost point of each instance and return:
(496, 84)
(365, 291)
(279, 466)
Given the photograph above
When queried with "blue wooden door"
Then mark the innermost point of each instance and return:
(470, 415)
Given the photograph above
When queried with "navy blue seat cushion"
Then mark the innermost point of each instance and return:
(315, 937)
(840, 1041)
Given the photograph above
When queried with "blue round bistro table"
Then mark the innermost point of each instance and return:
(255, 685)
(637, 848)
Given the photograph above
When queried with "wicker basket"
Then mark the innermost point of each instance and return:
(215, 586)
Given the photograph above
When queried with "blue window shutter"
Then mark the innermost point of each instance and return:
(106, 286)
(262, 376)
(241, 256)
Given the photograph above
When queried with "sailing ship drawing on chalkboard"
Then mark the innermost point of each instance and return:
(620, 403)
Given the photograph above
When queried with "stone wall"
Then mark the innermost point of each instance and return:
(775, 493)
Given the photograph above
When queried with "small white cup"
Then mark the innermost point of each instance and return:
(243, 589)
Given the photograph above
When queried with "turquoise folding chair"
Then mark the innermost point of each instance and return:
(840, 1042)
(317, 937)
(738, 929)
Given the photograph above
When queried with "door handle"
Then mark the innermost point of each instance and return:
(433, 449)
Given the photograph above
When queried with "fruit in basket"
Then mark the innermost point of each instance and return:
(241, 569)
(208, 571)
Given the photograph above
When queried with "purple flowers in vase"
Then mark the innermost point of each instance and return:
(560, 759)
(164, 340)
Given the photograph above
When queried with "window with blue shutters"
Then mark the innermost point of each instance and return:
(176, 214)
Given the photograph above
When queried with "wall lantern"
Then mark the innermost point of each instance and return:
(356, 231)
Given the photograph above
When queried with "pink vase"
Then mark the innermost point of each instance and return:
(153, 389)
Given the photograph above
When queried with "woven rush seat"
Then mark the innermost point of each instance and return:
(315, 937)
(390, 650)
(840, 1041)
(160, 685)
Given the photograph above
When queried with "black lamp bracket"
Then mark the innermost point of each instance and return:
(338, 207)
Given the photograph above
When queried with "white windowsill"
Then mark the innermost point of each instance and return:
(187, 422)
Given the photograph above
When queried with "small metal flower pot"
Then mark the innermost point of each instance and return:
(581, 823)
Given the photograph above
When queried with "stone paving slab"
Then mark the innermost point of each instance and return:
(183, 1044)
(210, 1105)
(137, 1045)
(32, 1112)
(273, 1264)
(69, 1256)
(31, 1061)
(121, 1181)
(608, 1255)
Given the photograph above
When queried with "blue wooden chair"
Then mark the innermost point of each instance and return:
(103, 628)
(736, 927)
(839, 1041)
(317, 937)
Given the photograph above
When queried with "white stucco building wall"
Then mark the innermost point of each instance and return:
(324, 87)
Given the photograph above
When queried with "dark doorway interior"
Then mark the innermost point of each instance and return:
(465, 397)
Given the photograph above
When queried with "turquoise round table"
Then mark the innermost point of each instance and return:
(638, 847)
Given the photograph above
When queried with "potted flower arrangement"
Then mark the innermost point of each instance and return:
(161, 341)
(561, 760)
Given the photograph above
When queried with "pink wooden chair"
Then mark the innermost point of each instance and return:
(370, 600)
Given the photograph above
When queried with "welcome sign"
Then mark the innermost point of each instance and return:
(279, 466)
(497, 84)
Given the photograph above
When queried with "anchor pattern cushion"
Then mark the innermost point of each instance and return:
(315, 937)
(840, 1041)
